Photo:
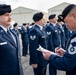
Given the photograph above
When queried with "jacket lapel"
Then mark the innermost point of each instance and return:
(15, 38)
(7, 37)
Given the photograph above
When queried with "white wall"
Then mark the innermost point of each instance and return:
(57, 9)
(22, 15)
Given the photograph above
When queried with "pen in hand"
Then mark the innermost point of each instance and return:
(59, 51)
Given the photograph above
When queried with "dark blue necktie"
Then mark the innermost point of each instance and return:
(9, 33)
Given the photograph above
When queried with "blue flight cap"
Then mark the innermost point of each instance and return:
(38, 16)
(52, 16)
(66, 11)
(4, 9)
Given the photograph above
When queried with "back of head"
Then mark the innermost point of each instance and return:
(15, 25)
(52, 16)
(58, 20)
(24, 24)
(38, 16)
(4, 9)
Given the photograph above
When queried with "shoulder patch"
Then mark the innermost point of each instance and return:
(72, 47)
(73, 40)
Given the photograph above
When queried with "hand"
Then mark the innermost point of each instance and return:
(47, 54)
(60, 51)
(34, 65)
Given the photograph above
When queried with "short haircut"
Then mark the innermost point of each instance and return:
(15, 25)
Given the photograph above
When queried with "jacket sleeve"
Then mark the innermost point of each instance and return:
(33, 44)
(50, 42)
(66, 62)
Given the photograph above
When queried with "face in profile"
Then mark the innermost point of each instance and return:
(70, 21)
(5, 19)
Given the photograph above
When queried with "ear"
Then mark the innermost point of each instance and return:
(74, 15)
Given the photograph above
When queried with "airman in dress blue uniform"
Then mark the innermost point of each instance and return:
(52, 32)
(10, 61)
(67, 33)
(15, 29)
(38, 37)
(25, 39)
(65, 60)
(61, 33)
(54, 39)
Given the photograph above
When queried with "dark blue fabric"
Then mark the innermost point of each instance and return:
(41, 39)
(66, 62)
(38, 37)
(62, 35)
(25, 40)
(54, 40)
(10, 62)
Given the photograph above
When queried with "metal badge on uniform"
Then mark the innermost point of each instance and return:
(3, 43)
(63, 30)
(33, 37)
(43, 36)
(56, 31)
(48, 33)
(71, 49)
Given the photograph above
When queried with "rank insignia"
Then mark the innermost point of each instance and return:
(71, 49)
(33, 37)
(48, 33)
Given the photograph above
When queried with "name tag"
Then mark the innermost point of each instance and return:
(43, 36)
(3, 43)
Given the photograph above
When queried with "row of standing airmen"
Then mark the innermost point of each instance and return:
(50, 36)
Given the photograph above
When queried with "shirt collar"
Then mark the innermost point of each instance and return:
(41, 27)
(53, 24)
(60, 25)
(3, 28)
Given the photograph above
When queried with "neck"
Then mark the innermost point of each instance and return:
(6, 26)
(40, 24)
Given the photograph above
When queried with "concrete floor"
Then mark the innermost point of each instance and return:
(28, 69)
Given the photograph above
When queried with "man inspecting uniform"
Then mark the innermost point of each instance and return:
(65, 60)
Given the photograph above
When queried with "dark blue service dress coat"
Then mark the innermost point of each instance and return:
(16, 31)
(10, 61)
(62, 35)
(68, 61)
(25, 40)
(54, 40)
(37, 37)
